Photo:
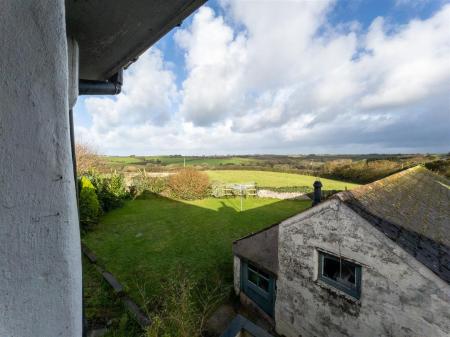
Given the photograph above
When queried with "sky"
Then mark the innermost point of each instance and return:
(284, 77)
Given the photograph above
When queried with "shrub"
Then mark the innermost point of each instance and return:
(440, 166)
(89, 204)
(111, 191)
(142, 183)
(189, 184)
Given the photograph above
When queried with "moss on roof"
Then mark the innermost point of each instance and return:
(412, 208)
(415, 199)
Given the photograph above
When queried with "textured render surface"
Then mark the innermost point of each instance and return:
(261, 248)
(237, 275)
(400, 297)
(40, 262)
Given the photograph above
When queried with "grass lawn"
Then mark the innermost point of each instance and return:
(150, 240)
(102, 308)
(275, 179)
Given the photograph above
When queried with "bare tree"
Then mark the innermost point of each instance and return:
(86, 157)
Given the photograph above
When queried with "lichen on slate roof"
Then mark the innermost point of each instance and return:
(416, 199)
(412, 208)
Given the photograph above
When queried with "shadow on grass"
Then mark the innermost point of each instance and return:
(147, 242)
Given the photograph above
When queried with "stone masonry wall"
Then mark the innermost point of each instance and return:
(400, 297)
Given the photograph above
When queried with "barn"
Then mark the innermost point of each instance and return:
(374, 261)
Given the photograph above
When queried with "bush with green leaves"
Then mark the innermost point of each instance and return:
(89, 204)
(143, 182)
(111, 190)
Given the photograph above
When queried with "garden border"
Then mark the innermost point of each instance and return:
(142, 319)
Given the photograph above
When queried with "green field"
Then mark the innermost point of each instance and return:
(194, 161)
(179, 160)
(275, 179)
(149, 240)
(123, 160)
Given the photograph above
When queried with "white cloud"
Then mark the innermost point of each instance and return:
(215, 59)
(148, 96)
(276, 76)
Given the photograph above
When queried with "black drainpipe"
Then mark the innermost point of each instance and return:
(113, 86)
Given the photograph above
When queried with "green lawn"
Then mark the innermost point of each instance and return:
(102, 307)
(148, 241)
(275, 179)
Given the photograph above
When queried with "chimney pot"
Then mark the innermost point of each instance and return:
(317, 192)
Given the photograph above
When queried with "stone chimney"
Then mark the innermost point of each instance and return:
(317, 192)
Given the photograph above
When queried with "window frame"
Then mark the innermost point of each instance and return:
(259, 274)
(354, 292)
(263, 298)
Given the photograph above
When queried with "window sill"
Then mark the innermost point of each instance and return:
(338, 292)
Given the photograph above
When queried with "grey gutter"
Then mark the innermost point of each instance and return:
(113, 86)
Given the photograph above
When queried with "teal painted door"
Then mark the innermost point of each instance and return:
(259, 286)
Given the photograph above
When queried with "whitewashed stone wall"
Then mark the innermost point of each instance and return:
(40, 258)
(400, 297)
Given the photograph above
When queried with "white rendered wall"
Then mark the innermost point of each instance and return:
(40, 267)
(400, 297)
(237, 275)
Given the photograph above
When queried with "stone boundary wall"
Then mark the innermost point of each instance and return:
(282, 195)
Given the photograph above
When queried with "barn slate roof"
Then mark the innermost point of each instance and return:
(412, 208)
(261, 248)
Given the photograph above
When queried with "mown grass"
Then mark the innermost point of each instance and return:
(150, 240)
(275, 179)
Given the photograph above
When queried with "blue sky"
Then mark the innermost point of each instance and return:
(285, 76)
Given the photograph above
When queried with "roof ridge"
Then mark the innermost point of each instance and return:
(363, 189)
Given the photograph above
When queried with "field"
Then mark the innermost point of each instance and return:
(275, 179)
(178, 161)
(153, 239)
(360, 169)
